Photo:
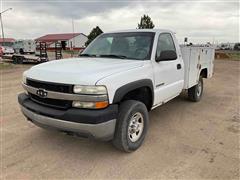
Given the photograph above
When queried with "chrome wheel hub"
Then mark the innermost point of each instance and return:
(135, 127)
(199, 88)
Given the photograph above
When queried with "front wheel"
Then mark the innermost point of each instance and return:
(195, 92)
(132, 125)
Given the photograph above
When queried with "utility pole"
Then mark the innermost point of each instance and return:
(2, 21)
(2, 26)
(73, 44)
(73, 32)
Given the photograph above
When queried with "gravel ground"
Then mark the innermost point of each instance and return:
(185, 140)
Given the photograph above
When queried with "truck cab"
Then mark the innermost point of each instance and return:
(107, 92)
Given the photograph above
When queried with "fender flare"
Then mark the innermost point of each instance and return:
(123, 90)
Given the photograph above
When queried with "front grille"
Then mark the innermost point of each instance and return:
(49, 86)
(55, 103)
(57, 87)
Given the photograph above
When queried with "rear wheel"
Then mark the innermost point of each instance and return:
(195, 92)
(132, 125)
(15, 60)
(20, 60)
(21, 51)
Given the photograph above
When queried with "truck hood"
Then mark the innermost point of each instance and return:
(83, 71)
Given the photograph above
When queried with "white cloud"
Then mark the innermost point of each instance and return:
(200, 21)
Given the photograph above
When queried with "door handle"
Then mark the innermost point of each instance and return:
(179, 66)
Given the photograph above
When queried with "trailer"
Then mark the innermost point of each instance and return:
(23, 58)
(20, 58)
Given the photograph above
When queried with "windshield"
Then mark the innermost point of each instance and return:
(127, 45)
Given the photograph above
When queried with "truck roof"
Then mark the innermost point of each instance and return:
(142, 30)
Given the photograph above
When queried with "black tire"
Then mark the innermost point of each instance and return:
(127, 110)
(15, 60)
(20, 60)
(195, 92)
(21, 51)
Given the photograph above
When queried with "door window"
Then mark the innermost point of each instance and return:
(165, 43)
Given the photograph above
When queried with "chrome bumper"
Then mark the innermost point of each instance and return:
(103, 131)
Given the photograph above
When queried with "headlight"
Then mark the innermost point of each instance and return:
(90, 105)
(89, 89)
(24, 79)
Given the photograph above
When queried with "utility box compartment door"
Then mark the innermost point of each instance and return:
(195, 59)
(190, 59)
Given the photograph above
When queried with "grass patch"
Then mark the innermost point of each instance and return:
(70, 52)
(235, 56)
(4, 65)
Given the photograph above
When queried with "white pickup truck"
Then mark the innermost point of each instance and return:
(107, 92)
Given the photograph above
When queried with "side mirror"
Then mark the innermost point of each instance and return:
(168, 55)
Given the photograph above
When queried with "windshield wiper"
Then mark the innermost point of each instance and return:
(113, 56)
(88, 55)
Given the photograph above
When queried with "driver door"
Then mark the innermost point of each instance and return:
(169, 74)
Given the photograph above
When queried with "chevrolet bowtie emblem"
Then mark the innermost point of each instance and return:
(41, 93)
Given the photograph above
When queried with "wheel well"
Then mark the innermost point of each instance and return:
(142, 94)
(204, 73)
(21, 51)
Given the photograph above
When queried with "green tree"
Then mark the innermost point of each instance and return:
(145, 23)
(93, 34)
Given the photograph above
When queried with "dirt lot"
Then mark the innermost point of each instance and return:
(185, 140)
